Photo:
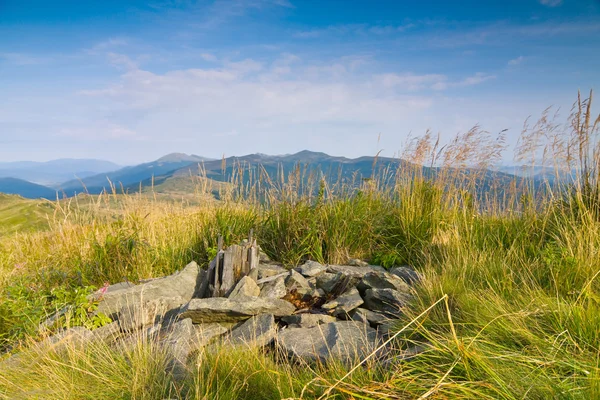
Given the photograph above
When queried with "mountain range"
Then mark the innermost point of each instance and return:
(167, 171)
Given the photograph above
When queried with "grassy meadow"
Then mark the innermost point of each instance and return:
(509, 307)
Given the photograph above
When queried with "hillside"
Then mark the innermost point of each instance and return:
(22, 215)
(26, 189)
(56, 171)
(129, 176)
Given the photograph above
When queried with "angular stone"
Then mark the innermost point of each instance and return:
(327, 281)
(311, 268)
(107, 333)
(267, 270)
(137, 315)
(368, 317)
(347, 341)
(179, 344)
(182, 284)
(219, 309)
(274, 289)
(345, 303)
(409, 275)
(245, 287)
(382, 280)
(273, 278)
(297, 281)
(355, 262)
(377, 268)
(259, 330)
(307, 320)
(387, 301)
(205, 333)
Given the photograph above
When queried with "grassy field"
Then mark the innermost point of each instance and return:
(509, 307)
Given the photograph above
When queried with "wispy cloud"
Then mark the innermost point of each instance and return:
(208, 57)
(121, 61)
(551, 3)
(516, 61)
(22, 59)
(502, 32)
(353, 29)
(438, 82)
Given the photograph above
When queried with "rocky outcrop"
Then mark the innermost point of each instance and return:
(313, 312)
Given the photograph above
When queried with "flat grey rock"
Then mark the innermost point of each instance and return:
(387, 301)
(347, 341)
(220, 309)
(137, 315)
(311, 268)
(350, 270)
(267, 270)
(181, 284)
(245, 287)
(356, 262)
(259, 330)
(382, 280)
(307, 320)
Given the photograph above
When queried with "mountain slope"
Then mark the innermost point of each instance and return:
(26, 189)
(18, 214)
(130, 177)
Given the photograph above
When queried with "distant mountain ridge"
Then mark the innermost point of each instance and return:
(172, 168)
(130, 177)
(54, 172)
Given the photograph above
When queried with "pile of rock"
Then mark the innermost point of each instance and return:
(312, 312)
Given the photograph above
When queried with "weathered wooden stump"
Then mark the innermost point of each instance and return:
(229, 266)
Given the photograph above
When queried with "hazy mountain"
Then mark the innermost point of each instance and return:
(181, 157)
(56, 171)
(26, 189)
(130, 176)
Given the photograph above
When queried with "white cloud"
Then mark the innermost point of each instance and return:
(413, 82)
(516, 61)
(353, 29)
(551, 3)
(209, 57)
(121, 61)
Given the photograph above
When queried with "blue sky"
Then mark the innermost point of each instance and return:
(130, 81)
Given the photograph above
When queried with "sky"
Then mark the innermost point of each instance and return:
(130, 81)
